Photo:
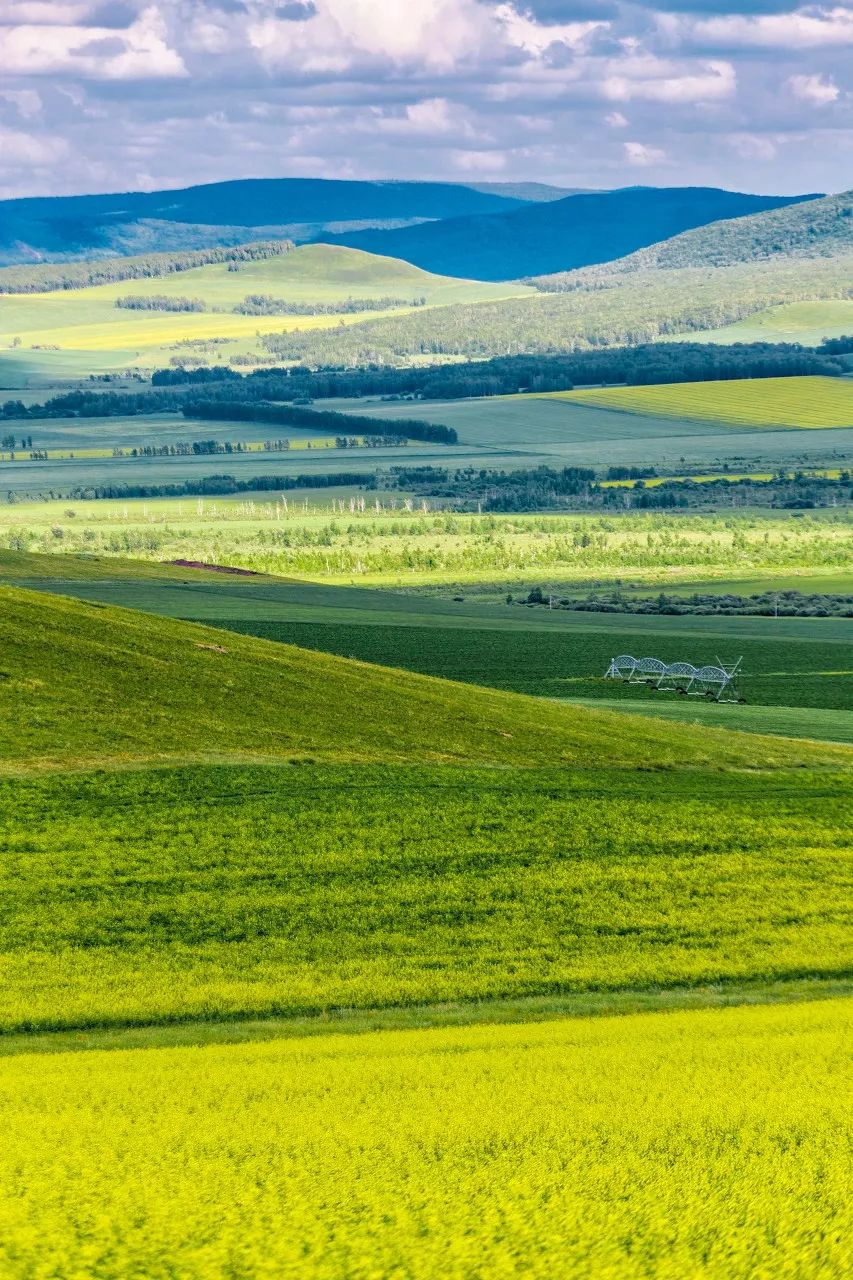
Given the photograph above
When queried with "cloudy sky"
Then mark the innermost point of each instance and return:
(99, 95)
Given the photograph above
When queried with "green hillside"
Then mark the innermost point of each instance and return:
(582, 312)
(48, 327)
(83, 683)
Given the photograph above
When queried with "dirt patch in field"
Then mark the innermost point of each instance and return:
(215, 568)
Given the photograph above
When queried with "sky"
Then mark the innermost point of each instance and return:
(118, 95)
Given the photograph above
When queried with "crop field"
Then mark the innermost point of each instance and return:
(290, 891)
(813, 403)
(396, 1154)
(235, 847)
(82, 321)
(566, 429)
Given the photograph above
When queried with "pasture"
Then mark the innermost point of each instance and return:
(400, 1154)
(218, 843)
(803, 403)
(389, 545)
(87, 327)
(806, 322)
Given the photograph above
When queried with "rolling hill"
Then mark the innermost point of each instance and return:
(62, 227)
(221, 306)
(559, 235)
(159, 690)
(821, 228)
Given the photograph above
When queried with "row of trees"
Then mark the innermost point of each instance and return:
(264, 304)
(317, 420)
(48, 278)
(159, 302)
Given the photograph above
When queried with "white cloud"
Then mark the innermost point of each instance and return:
(804, 29)
(817, 89)
(616, 120)
(642, 156)
(651, 80)
(23, 150)
(27, 101)
(753, 146)
(436, 35)
(101, 53)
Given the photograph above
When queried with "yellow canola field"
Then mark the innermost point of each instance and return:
(673, 1145)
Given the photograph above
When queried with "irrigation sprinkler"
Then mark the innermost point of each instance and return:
(718, 683)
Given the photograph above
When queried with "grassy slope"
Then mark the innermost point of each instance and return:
(806, 322)
(463, 1152)
(87, 319)
(157, 690)
(767, 402)
(344, 882)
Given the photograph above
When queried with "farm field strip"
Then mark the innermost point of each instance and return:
(391, 547)
(798, 403)
(397, 1154)
(274, 890)
(821, 723)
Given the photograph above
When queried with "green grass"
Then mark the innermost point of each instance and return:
(806, 322)
(156, 690)
(812, 402)
(154, 896)
(683, 1144)
(790, 722)
(89, 328)
(567, 430)
(390, 546)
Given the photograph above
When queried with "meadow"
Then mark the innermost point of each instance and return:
(752, 402)
(400, 1154)
(569, 430)
(236, 847)
(87, 323)
(391, 544)
(807, 322)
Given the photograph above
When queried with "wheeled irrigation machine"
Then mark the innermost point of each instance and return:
(719, 683)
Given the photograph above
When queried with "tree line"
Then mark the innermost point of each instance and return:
(264, 304)
(318, 420)
(51, 277)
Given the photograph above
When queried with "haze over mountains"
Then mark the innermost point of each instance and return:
(53, 228)
(486, 231)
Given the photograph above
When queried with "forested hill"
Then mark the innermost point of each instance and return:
(559, 235)
(54, 228)
(821, 228)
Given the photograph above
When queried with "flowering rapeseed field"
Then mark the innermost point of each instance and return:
(669, 1145)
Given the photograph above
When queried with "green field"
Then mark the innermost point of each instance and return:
(93, 334)
(235, 848)
(387, 545)
(806, 322)
(566, 430)
(744, 402)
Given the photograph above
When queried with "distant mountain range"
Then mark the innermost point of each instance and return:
(488, 231)
(225, 213)
(560, 235)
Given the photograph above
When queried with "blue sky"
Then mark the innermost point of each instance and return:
(102, 95)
